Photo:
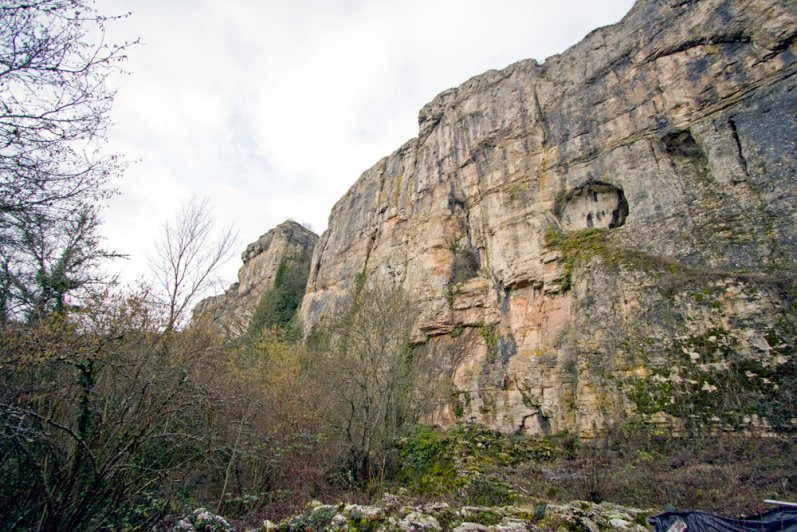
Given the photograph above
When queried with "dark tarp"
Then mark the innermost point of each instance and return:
(774, 520)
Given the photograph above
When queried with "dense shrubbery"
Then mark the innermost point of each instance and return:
(98, 411)
(111, 419)
(727, 473)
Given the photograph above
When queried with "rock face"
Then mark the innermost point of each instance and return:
(586, 234)
(229, 313)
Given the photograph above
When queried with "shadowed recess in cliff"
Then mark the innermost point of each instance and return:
(595, 204)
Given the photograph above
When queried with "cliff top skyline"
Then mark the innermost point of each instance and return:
(273, 111)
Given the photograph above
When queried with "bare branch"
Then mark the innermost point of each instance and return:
(54, 105)
(188, 255)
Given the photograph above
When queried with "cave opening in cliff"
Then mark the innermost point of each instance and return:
(681, 144)
(593, 205)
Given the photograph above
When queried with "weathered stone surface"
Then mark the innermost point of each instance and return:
(577, 515)
(229, 313)
(674, 130)
(202, 519)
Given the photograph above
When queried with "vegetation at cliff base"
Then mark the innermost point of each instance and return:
(633, 464)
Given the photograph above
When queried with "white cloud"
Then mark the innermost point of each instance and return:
(274, 108)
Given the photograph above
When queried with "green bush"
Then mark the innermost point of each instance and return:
(425, 462)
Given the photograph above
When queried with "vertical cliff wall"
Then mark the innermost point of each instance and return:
(585, 234)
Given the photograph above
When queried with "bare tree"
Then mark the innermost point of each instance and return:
(54, 104)
(371, 365)
(54, 64)
(188, 255)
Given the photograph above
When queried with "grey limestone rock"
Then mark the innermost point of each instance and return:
(663, 145)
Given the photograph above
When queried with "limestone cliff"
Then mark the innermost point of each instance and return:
(230, 312)
(601, 235)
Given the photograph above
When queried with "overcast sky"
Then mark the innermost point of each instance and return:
(273, 108)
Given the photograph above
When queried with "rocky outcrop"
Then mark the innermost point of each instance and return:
(585, 234)
(391, 514)
(228, 314)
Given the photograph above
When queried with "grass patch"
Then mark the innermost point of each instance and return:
(490, 335)
(466, 263)
(457, 331)
(634, 464)
(463, 463)
(587, 243)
